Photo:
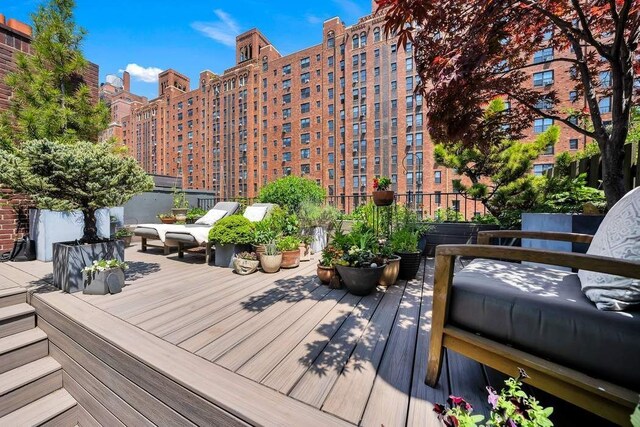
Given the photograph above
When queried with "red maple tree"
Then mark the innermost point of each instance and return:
(469, 52)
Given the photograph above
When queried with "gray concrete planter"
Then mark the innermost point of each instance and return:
(109, 281)
(319, 239)
(224, 254)
(69, 259)
(453, 233)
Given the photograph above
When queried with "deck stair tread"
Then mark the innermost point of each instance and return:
(16, 310)
(21, 339)
(25, 374)
(41, 410)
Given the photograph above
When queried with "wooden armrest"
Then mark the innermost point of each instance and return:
(595, 263)
(484, 237)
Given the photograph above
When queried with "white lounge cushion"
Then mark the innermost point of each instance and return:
(255, 213)
(211, 217)
(617, 237)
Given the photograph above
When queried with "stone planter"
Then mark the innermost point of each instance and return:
(270, 263)
(305, 252)
(383, 198)
(325, 274)
(319, 239)
(223, 256)
(47, 227)
(69, 259)
(290, 259)
(180, 213)
(565, 223)
(453, 233)
(360, 281)
(245, 266)
(409, 265)
(390, 273)
(109, 281)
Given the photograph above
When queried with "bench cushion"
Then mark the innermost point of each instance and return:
(543, 311)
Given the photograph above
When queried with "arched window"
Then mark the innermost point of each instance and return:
(376, 34)
(265, 63)
(355, 41)
(331, 41)
(363, 39)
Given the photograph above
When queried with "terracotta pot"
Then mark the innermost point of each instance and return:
(126, 240)
(383, 198)
(271, 263)
(305, 252)
(325, 274)
(409, 265)
(245, 266)
(290, 259)
(168, 220)
(360, 281)
(390, 272)
(259, 250)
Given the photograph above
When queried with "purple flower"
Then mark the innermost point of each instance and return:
(493, 397)
(511, 423)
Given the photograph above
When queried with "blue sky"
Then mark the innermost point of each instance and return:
(189, 36)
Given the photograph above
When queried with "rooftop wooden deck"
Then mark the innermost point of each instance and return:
(359, 360)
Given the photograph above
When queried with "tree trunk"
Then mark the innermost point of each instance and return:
(612, 154)
(90, 226)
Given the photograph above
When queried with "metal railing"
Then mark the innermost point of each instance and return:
(451, 206)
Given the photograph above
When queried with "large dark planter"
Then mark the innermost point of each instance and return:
(383, 198)
(453, 233)
(69, 259)
(104, 282)
(409, 265)
(360, 281)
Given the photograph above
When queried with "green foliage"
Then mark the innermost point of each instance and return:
(264, 233)
(104, 264)
(381, 184)
(291, 191)
(123, 232)
(180, 199)
(635, 417)
(404, 240)
(234, 229)
(369, 218)
(50, 99)
(312, 214)
(485, 219)
(447, 215)
(330, 256)
(288, 243)
(271, 248)
(85, 175)
(195, 213)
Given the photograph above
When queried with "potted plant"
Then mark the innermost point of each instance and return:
(245, 263)
(305, 248)
(125, 235)
(326, 266)
(404, 243)
(180, 205)
(392, 267)
(271, 259)
(263, 234)
(290, 248)
(194, 214)
(231, 235)
(315, 222)
(382, 196)
(104, 277)
(167, 218)
(359, 267)
(67, 176)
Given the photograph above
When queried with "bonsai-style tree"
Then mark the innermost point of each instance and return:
(83, 175)
(498, 170)
(290, 191)
(469, 52)
(50, 99)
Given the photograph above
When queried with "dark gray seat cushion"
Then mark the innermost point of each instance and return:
(543, 311)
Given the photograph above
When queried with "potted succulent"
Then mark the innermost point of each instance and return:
(382, 196)
(404, 243)
(359, 267)
(103, 277)
(245, 263)
(231, 235)
(125, 235)
(290, 248)
(180, 205)
(392, 267)
(194, 214)
(271, 259)
(167, 218)
(326, 266)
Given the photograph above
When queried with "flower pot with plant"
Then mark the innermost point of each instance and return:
(359, 267)
(245, 263)
(104, 277)
(231, 235)
(404, 243)
(180, 205)
(382, 196)
(392, 267)
(195, 214)
(167, 218)
(271, 259)
(290, 248)
(264, 233)
(125, 235)
(326, 266)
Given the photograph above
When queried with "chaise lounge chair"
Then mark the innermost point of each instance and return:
(160, 231)
(193, 237)
(577, 335)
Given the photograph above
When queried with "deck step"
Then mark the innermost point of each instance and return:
(23, 385)
(12, 296)
(57, 408)
(22, 348)
(16, 318)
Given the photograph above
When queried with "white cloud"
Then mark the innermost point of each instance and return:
(143, 74)
(313, 19)
(223, 31)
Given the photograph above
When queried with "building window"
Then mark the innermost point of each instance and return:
(409, 83)
(605, 105)
(541, 168)
(437, 177)
(286, 69)
(363, 39)
(394, 67)
(286, 98)
(304, 62)
(305, 153)
(437, 197)
(409, 64)
(355, 41)
(549, 150)
(605, 78)
(305, 138)
(305, 123)
(305, 78)
(573, 144)
(286, 156)
(573, 96)
(286, 142)
(541, 125)
(376, 34)
(543, 55)
(543, 78)
(330, 158)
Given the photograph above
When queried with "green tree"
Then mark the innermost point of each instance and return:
(84, 175)
(291, 191)
(50, 99)
(498, 169)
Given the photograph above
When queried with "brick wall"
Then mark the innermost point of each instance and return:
(14, 221)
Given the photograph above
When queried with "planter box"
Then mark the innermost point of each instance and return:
(223, 256)
(110, 281)
(453, 233)
(69, 259)
(568, 223)
(319, 242)
(48, 227)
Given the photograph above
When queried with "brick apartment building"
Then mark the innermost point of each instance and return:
(116, 94)
(340, 112)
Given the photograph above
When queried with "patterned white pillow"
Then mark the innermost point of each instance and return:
(211, 217)
(255, 213)
(617, 237)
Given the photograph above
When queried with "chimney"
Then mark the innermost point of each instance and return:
(2, 19)
(19, 26)
(126, 81)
